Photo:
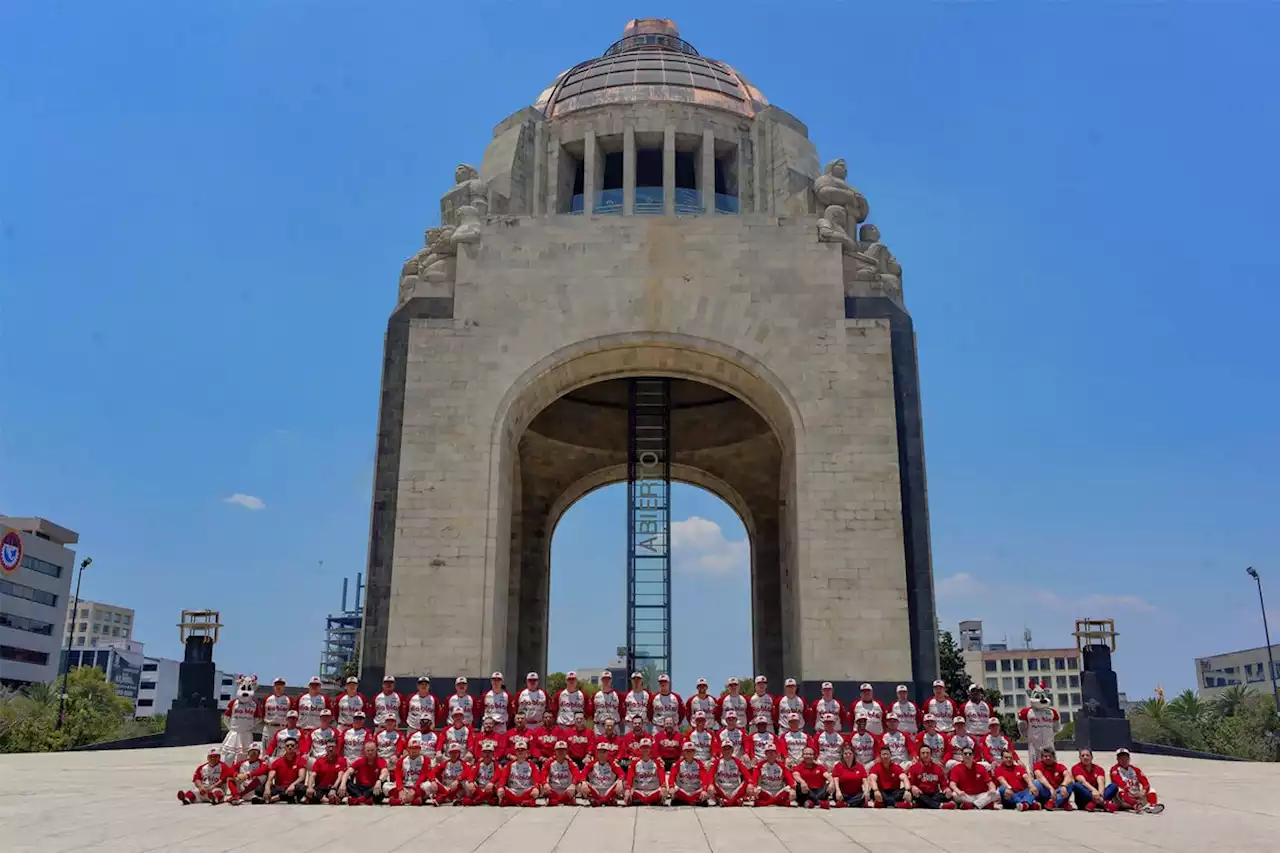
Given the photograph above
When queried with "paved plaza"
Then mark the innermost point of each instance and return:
(124, 801)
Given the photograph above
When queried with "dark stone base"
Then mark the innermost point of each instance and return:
(1102, 734)
(192, 726)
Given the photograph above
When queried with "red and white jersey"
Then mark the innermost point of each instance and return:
(429, 741)
(873, 712)
(390, 744)
(908, 717)
(636, 702)
(602, 775)
(486, 773)
(242, 712)
(353, 741)
(688, 776)
(461, 735)
(345, 709)
(772, 777)
(559, 775)
(761, 705)
(211, 775)
(995, 746)
(935, 740)
(309, 708)
(606, 706)
(451, 772)
(1040, 724)
(664, 707)
(828, 746)
(520, 776)
(737, 704)
(707, 704)
(465, 703)
(977, 718)
(645, 774)
(866, 747)
(760, 743)
(420, 706)
(791, 746)
(822, 707)
(320, 740)
(960, 741)
(532, 703)
(410, 771)
(728, 774)
(788, 705)
(387, 705)
(901, 746)
(568, 703)
(734, 736)
(496, 704)
(701, 740)
(276, 747)
(944, 712)
(274, 709)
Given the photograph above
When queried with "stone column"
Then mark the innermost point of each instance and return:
(708, 188)
(628, 171)
(590, 156)
(539, 169)
(669, 170)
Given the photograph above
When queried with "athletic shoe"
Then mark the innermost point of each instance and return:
(825, 804)
(182, 798)
(1050, 805)
(949, 805)
(902, 804)
(1154, 808)
(1022, 807)
(965, 806)
(1112, 807)
(1035, 807)
(1090, 806)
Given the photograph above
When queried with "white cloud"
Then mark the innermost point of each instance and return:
(963, 587)
(698, 544)
(246, 501)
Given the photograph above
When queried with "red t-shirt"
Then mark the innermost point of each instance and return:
(1055, 772)
(851, 778)
(366, 772)
(929, 778)
(667, 746)
(1013, 776)
(971, 781)
(888, 778)
(1096, 775)
(287, 772)
(327, 770)
(815, 777)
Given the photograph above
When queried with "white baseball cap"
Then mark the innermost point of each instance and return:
(496, 675)
(351, 679)
(700, 715)
(827, 685)
(702, 682)
(994, 721)
(315, 679)
(891, 716)
(902, 688)
(570, 674)
(664, 677)
(866, 685)
(939, 683)
(828, 718)
(456, 747)
(424, 679)
(518, 743)
(215, 750)
(291, 713)
(325, 712)
(733, 680)
(387, 678)
(458, 712)
(928, 717)
(561, 745)
(636, 675)
(958, 719)
(607, 674)
(771, 746)
(490, 746)
(279, 679)
(731, 714)
(461, 679)
(533, 676)
(646, 742)
(1121, 751)
(761, 720)
(257, 744)
(760, 679)
(974, 687)
(790, 682)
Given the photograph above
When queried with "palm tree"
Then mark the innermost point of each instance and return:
(1187, 707)
(1154, 709)
(1231, 701)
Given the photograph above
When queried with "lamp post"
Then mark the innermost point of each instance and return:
(1271, 664)
(66, 654)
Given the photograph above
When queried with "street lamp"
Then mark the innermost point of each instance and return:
(1271, 664)
(66, 654)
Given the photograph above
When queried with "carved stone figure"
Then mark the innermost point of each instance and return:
(830, 188)
(874, 260)
(468, 230)
(433, 263)
(477, 194)
(833, 228)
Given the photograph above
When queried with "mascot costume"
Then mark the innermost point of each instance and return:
(1039, 721)
(242, 713)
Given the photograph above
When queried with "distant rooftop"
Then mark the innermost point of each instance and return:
(41, 528)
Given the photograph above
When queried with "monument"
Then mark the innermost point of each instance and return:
(651, 246)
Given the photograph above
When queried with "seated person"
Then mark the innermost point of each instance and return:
(730, 780)
(849, 779)
(928, 780)
(812, 782)
(1053, 785)
(602, 779)
(363, 782)
(773, 782)
(889, 785)
(688, 781)
(969, 783)
(1014, 783)
(560, 777)
(1089, 784)
(412, 770)
(1133, 791)
(646, 778)
(451, 776)
(322, 778)
(210, 779)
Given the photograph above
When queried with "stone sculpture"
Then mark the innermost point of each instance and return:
(477, 194)
(874, 260)
(434, 263)
(830, 188)
(469, 222)
(833, 227)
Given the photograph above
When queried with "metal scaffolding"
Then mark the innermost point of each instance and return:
(649, 524)
(342, 637)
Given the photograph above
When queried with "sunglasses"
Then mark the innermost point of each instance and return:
(967, 753)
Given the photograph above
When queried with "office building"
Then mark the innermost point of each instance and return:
(34, 597)
(1246, 668)
(97, 625)
(158, 686)
(998, 667)
(121, 665)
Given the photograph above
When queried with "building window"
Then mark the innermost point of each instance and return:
(1066, 716)
(115, 631)
(149, 667)
(146, 703)
(1006, 683)
(42, 567)
(84, 627)
(22, 623)
(1020, 700)
(21, 655)
(1062, 681)
(1072, 663)
(1074, 681)
(1229, 670)
(1075, 698)
(1044, 664)
(989, 665)
(97, 629)
(1006, 665)
(993, 684)
(1017, 664)
(126, 619)
(39, 596)
(1020, 682)
(1059, 663)
(84, 614)
(1062, 699)
(115, 618)
(147, 685)
(1033, 664)
(125, 633)
(79, 641)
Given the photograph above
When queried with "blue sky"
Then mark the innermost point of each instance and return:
(204, 208)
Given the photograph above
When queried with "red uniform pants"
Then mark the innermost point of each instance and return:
(646, 798)
(603, 798)
(568, 798)
(511, 798)
(680, 795)
(393, 796)
(446, 795)
(1131, 802)
(482, 798)
(251, 788)
(731, 798)
(782, 798)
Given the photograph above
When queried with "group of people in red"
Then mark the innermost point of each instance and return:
(648, 748)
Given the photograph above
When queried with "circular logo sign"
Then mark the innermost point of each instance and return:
(10, 551)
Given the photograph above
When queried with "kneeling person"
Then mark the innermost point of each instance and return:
(773, 781)
(688, 781)
(730, 781)
(519, 784)
(560, 777)
(602, 780)
(645, 778)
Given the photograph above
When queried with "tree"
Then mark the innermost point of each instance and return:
(350, 669)
(1231, 701)
(951, 665)
(94, 713)
(555, 683)
(1187, 707)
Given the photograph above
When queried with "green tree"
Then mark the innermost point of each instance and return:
(555, 683)
(951, 666)
(1231, 701)
(94, 713)
(350, 669)
(1187, 707)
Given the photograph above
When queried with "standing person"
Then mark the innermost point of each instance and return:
(484, 777)
(246, 782)
(734, 701)
(363, 782)
(994, 744)
(496, 703)
(730, 780)
(286, 775)
(323, 777)
(826, 704)
(665, 705)
(412, 770)
(636, 704)
(849, 779)
(388, 703)
(389, 741)
(908, 712)
(1014, 783)
(427, 740)
(532, 700)
(928, 780)
(943, 708)
(422, 705)
(960, 741)
(889, 785)
(688, 781)
(1133, 791)
(901, 745)
(932, 738)
(762, 703)
(578, 740)
(733, 735)
(570, 702)
(793, 741)
(519, 783)
(290, 731)
(701, 738)
(451, 777)
(1089, 783)
(602, 780)
(758, 742)
(346, 705)
(773, 782)
(706, 703)
(812, 781)
(829, 742)
(560, 777)
(646, 778)
(210, 779)
(320, 739)
(971, 786)
(310, 704)
(275, 709)
(790, 703)
(463, 701)
(354, 738)
(865, 745)
(1052, 784)
(667, 744)
(976, 713)
(457, 732)
(868, 708)
(606, 704)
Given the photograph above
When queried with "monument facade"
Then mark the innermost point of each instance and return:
(651, 215)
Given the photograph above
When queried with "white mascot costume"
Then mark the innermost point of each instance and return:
(242, 712)
(1038, 722)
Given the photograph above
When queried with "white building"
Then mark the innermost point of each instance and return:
(97, 624)
(34, 598)
(998, 667)
(1246, 668)
(158, 687)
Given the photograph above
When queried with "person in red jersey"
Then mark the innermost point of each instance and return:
(463, 701)
(389, 740)
(812, 781)
(310, 704)
(869, 708)
(458, 732)
(928, 781)
(422, 705)
(636, 704)
(318, 740)
(758, 742)
(646, 778)
(829, 742)
(350, 701)
(976, 713)
(630, 744)
(793, 740)
(889, 784)
(451, 777)
(532, 701)
(520, 728)
(959, 741)
(613, 742)
(365, 778)
(496, 703)
(602, 779)
(488, 731)
(665, 705)
(606, 705)
(790, 703)
(865, 745)
(734, 701)
(544, 739)
(849, 779)
(210, 779)
(1133, 791)
(688, 780)
(1089, 784)
(1014, 784)
(578, 739)
(323, 777)
(826, 704)
(1052, 782)
(560, 777)
(994, 744)
(411, 771)
(484, 778)
(569, 702)
(774, 785)
(246, 782)
(908, 712)
(943, 708)
(734, 735)
(667, 744)
(286, 775)
(388, 703)
(730, 779)
(427, 740)
(703, 701)
(274, 710)
(275, 747)
(762, 703)
(701, 738)
(969, 783)
(901, 745)
(932, 738)
(518, 785)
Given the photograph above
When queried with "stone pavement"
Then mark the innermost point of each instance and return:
(124, 801)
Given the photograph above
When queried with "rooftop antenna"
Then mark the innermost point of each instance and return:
(1026, 638)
